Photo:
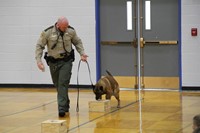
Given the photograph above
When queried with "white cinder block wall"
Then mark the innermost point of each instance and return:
(23, 20)
(21, 23)
(190, 44)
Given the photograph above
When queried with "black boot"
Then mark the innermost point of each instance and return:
(61, 113)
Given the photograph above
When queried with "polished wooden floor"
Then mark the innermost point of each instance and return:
(23, 111)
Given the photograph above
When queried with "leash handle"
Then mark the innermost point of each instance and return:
(78, 89)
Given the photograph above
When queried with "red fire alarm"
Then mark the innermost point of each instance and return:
(194, 31)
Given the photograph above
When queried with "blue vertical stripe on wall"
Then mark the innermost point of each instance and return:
(97, 17)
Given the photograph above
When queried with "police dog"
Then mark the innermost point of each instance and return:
(107, 85)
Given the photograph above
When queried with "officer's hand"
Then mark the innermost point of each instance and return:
(84, 57)
(41, 66)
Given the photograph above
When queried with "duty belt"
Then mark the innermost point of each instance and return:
(54, 60)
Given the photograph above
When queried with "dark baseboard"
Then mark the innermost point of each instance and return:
(71, 86)
(189, 88)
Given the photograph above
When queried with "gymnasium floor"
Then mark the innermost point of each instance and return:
(23, 111)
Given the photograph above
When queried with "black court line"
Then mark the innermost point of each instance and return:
(73, 128)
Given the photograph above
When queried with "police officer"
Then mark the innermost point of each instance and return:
(59, 39)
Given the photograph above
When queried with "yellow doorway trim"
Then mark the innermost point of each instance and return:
(149, 82)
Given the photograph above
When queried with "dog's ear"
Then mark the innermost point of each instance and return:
(93, 87)
(101, 88)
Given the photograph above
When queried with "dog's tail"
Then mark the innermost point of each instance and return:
(109, 73)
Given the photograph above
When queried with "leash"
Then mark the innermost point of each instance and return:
(78, 89)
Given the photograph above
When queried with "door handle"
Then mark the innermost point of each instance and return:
(142, 42)
(116, 42)
(161, 42)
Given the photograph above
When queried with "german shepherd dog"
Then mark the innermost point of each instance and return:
(109, 86)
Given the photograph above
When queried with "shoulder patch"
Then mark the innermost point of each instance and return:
(71, 27)
(49, 28)
(42, 34)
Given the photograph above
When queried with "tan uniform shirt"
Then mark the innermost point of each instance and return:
(52, 38)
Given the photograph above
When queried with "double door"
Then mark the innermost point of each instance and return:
(139, 42)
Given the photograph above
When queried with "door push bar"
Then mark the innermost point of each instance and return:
(142, 42)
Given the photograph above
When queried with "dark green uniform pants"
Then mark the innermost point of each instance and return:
(61, 74)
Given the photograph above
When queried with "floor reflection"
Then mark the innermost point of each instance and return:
(161, 112)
